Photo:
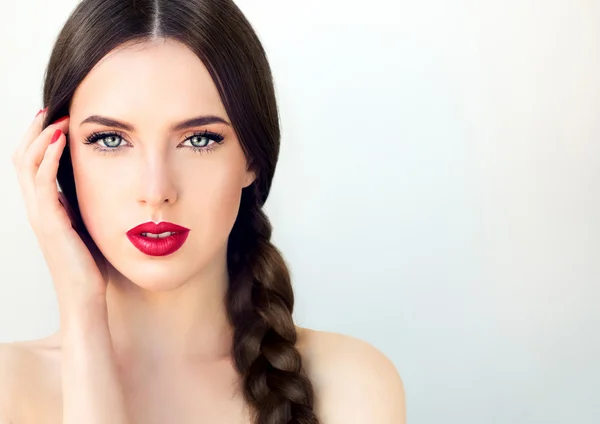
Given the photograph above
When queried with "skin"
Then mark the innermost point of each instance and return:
(167, 320)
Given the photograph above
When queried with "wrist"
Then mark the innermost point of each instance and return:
(84, 314)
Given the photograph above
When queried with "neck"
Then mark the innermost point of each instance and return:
(186, 323)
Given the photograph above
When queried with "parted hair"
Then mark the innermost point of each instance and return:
(260, 298)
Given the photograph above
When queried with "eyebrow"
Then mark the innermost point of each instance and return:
(198, 121)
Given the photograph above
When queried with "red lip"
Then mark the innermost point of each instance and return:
(161, 227)
(158, 246)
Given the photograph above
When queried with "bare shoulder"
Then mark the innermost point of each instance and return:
(354, 382)
(28, 372)
(11, 359)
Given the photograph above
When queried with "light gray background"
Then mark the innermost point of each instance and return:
(437, 193)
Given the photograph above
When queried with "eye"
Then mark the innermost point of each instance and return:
(202, 141)
(111, 141)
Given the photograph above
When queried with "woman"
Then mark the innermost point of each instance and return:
(174, 305)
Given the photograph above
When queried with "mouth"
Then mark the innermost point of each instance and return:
(159, 239)
(161, 235)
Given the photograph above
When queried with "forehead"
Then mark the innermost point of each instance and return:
(159, 78)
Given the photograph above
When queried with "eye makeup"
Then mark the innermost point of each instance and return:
(200, 141)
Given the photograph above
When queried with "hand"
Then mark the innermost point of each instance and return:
(78, 270)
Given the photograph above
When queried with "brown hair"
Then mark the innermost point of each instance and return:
(260, 299)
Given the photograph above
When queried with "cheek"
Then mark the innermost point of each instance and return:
(208, 195)
(95, 181)
(214, 203)
(96, 197)
(211, 190)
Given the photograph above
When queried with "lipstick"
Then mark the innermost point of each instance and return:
(160, 239)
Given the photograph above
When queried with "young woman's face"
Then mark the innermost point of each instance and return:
(154, 171)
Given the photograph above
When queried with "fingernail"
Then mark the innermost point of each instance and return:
(56, 136)
(41, 111)
(61, 119)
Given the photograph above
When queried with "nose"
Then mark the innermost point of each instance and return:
(157, 185)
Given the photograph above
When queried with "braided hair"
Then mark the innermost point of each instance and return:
(260, 299)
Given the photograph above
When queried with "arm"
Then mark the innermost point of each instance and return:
(90, 384)
(92, 393)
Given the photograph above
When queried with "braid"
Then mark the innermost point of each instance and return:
(260, 305)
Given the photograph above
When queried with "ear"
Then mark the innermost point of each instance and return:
(249, 178)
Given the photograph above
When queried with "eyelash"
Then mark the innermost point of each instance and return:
(95, 136)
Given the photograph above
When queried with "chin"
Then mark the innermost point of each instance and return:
(155, 277)
(156, 284)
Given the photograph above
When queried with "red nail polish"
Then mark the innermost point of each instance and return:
(61, 119)
(56, 136)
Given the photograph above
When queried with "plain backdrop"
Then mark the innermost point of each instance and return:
(437, 192)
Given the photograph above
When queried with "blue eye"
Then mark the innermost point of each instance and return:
(200, 141)
(111, 141)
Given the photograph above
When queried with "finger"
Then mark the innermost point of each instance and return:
(35, 152)
(53, 216)
(34, 129)
(37, 147)
(28, 166)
